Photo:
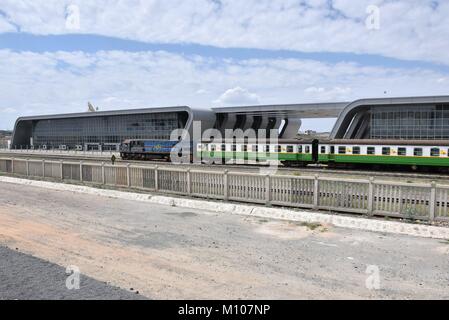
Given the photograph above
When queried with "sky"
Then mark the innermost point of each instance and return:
(55, 55)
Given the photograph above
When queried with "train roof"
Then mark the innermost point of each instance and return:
(432, 143)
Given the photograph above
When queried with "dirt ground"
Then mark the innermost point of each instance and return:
(174, 253)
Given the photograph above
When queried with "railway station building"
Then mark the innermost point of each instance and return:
(408, 118)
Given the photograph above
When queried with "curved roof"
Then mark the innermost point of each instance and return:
(348, 112)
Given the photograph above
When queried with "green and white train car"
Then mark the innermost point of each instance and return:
(286, 151)
(384, 152)
(412, 154)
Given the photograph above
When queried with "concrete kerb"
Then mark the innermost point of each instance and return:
(250, 210)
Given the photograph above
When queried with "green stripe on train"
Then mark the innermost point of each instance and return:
(324, 158)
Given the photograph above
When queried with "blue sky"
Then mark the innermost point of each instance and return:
(56, 55)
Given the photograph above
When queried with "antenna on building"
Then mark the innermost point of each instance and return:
(90, 107)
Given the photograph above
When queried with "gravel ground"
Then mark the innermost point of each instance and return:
(169, 252)
(25, 277)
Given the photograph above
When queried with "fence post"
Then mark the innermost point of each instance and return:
(43, 168)
(433, 197)
(28, 166)
(225, 185)
(189, 185)
(156, 178)
(316, 190)
(61, 170)
(370, 196)
(267, 189)
(103, 176)
(128, 175)
(81, 171)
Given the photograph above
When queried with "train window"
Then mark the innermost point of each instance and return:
(323, 149)
(255, 148)
(244, 148)
(435, 152)
(402, 151)
(371, 150)
(234, 147)
(223, 147)
(355, 150)
(332, 151)
(290, 149)
(267, 148)
(417, 152)
(299, 149)
(341, 150)
(278, 148)
(307, 149)
(386, 151)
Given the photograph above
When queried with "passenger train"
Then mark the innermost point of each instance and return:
(377, 153)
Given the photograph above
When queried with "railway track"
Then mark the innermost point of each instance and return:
(311, 170)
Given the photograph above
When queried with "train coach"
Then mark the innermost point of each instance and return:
(411, 154)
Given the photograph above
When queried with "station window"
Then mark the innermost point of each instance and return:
(290, 149)
(323, 149)
(278, 148)
(332, 151)
(307, 149)
(299, 149)
(371, 150)
(255, 148)
(417, 152)
(402, 151)
(341, 150)
(234, 148)
(355, 150)
(244, 148)
(435, 152)
(386, 151)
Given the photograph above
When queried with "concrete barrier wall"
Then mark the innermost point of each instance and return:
(362, 196)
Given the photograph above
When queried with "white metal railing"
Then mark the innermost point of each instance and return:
(92, 153)
(425, 201)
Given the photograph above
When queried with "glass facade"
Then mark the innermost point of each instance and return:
(113, 129)
(427, 122)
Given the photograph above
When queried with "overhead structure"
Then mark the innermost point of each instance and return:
(409, 118)
(104, 129)
(285, 118)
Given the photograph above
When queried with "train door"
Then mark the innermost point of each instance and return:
(315, 146)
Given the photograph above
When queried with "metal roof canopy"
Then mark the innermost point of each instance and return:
(303, 110)
(105, 113)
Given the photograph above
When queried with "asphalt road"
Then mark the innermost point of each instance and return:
(168, 252)
(25, 277)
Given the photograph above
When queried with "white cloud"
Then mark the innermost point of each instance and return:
(237, 96)
(409, 29)
(39, 83)
(8, 110)
(330, 94)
